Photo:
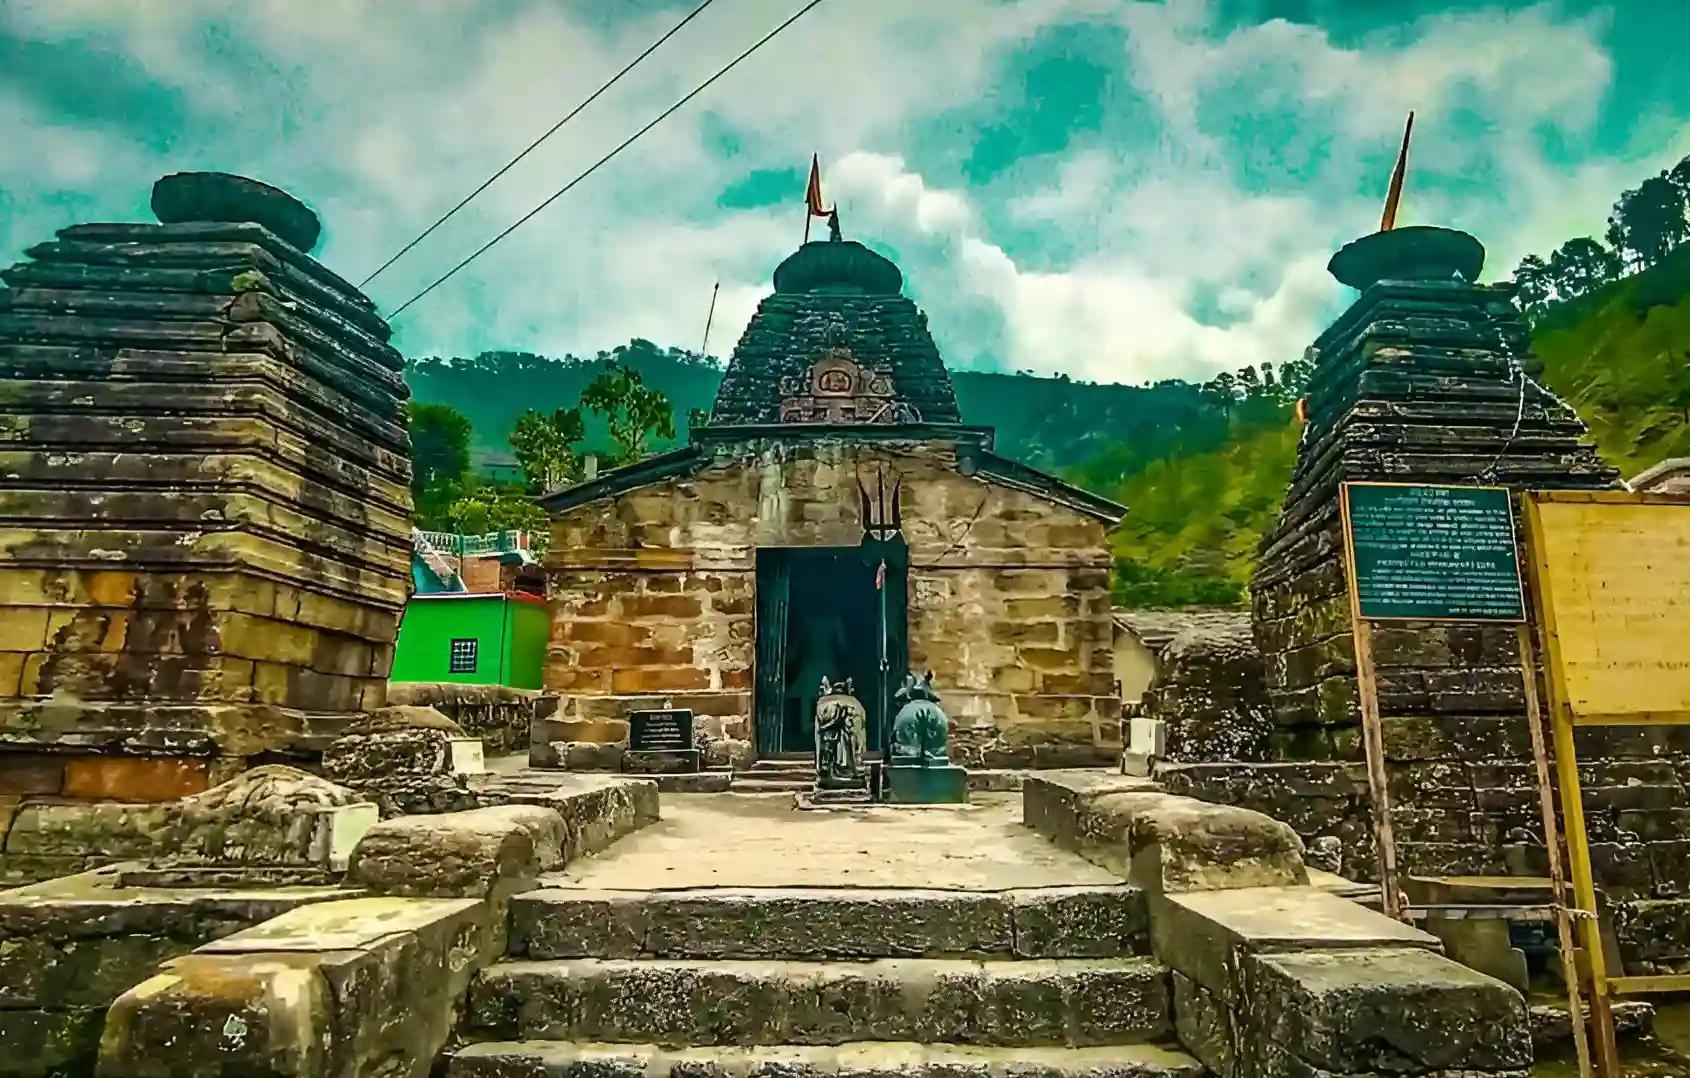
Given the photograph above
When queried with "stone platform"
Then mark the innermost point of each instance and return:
(70, 946)
(241, 918)
(545, 1060)
(739, 935)
(710, 841)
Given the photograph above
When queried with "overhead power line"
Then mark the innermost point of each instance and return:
(532, 146)
(594, 167)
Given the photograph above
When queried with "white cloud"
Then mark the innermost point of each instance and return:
(1121, 317)
(1168, 256)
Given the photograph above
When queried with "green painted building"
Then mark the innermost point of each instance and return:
(494, 639)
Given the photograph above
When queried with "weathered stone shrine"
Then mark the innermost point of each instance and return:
(834, 519)
(1425, 380)
(204, 496)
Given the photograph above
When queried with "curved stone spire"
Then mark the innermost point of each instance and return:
(837, 342)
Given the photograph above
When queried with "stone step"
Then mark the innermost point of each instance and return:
(801, 767)
(1009, 1003)
(822, 923)
(750, 784)
(569, 1059)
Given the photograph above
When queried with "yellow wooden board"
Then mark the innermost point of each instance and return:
(1614, 569)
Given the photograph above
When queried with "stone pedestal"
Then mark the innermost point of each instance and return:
(839, 797)
(915, 785)
(660, 761)
(205, 504)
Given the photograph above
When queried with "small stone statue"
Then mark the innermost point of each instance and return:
(921, 771)
(921, 729)
(841, 739)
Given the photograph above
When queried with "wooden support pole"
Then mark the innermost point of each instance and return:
(1372, 729)
(1605, 1053)
(1570, 964)
(1373, 745)
(1592, 964)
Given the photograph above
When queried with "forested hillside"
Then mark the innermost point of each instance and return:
(1622, 356)
(1200, 465)
(1051, 423)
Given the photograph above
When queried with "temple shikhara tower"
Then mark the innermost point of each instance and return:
(1426, 379)
(204, 496)
(835, 516)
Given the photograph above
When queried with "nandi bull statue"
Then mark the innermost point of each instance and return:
(921, 731)
(921, 770)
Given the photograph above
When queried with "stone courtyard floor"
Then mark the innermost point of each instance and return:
(736, 840)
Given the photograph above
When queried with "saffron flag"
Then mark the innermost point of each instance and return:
(813, 194)
(1393, 198)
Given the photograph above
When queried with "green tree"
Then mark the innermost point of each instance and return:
(1224, 391)
(1294, 378)
(545, 446)
(1580, 266)
(1534, 283)
(439, 458)
(1648, 221)
(439, 445)
(497, 508)
(634, 411)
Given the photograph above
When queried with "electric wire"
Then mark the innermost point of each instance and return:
(594, 167)
(532, 146)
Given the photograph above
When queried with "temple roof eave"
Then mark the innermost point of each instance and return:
(617, 481)
(974, 450)
(1014, 474)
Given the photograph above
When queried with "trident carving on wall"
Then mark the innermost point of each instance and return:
(883, 516)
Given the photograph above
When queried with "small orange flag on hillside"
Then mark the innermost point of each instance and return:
(1393, 198)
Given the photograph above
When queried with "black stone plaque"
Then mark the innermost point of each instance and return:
(1439, 553)
(659, 731)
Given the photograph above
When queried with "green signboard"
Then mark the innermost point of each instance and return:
(1433, 553)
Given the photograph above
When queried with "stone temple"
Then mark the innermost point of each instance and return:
(203, 552)
(835, 516)
(205, 506)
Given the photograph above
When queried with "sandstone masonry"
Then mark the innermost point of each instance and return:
(653, 596)
(204, 525)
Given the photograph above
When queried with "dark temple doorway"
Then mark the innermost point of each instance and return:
(827, 611)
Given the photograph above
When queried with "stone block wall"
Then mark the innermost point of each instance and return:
(1024, 657)
(653, 597)
(498, 714)
(204, 485)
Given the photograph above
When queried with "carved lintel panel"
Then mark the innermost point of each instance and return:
(838, 389)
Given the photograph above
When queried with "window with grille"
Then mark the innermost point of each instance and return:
(463, 656)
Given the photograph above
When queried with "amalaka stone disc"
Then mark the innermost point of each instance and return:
(184, 197)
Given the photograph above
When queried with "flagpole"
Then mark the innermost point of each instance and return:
(704, 349)
(885, 715)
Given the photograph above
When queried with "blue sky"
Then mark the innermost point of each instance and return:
(1120, 191)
